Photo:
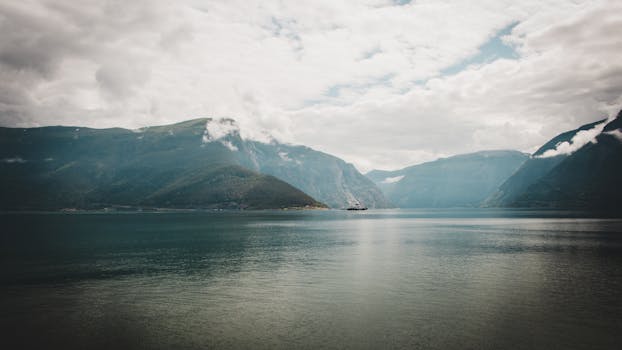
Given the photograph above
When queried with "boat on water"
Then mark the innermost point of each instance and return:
(357, 206)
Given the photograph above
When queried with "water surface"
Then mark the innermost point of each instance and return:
(453, 279)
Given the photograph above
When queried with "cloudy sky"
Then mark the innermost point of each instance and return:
(380, 83)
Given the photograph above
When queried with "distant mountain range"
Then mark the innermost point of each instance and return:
(569, 171)
(459, 181)
(201, 163)
(205, 163)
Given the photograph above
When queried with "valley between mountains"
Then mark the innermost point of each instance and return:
(206, 164)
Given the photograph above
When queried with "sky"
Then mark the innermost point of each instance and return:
(382, 84)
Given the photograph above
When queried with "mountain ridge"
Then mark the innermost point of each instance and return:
(181, 164)
(462, 180)
(587, 178)
(100, 161)
(530, 185)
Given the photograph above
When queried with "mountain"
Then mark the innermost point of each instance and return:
(196, 163)
(169, 166)
(588, 178)
(535, 168)
(322, 176)
(459, 181)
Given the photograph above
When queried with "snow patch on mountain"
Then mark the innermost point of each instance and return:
(285, 157)
(229, 145)
(16, 159)
(392, 180)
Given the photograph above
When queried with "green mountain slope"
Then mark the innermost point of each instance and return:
(321, 175)
(588, 178)
(459, 181)
(167, 166)
(324, 177)
(532, 170)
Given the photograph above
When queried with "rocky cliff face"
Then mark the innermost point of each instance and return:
(197, 163)
(324, 177)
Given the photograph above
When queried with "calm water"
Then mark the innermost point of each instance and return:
(329, 279)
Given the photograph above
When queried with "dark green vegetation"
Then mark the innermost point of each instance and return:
(322, 176)
(459, 181)
(587, 178)
(167, 166)
(205, 163)
(184, 165)
(533, 169)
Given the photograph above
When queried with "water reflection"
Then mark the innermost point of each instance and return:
(312, 279)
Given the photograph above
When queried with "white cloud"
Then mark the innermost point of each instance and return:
(579, 140)
(359, 79)
(217, 129)
(617, 133)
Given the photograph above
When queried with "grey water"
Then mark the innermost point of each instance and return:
(416, 279)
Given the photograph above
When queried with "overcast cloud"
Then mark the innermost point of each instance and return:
(379, 83)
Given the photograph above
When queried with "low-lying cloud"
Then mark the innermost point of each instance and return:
(616, 133)
(579, 140)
